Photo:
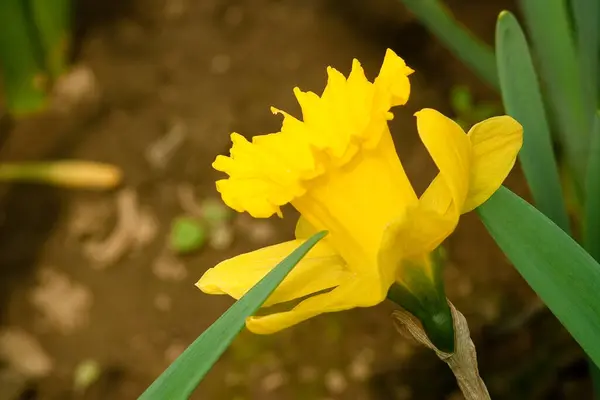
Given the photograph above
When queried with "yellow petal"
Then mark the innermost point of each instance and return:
(349, 117)
(409, 278)
(393, 78)
(437, 197)
(495, 143)
(353, 293)
(320, 269)
(418, 232)
(304, 229)
(450, 149)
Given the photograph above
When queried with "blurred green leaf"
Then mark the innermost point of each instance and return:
(52, 20)
(548, 25)
(587, 20)
(187, 235)
(467, 47)
(485, 110)
(592, 194)
(562, 273)
(21, 59)
(215, 212)
(523, 101)
(461, 99)
(181, 378)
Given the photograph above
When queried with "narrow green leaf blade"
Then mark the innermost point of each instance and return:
(548, 25)
(53, 22)
(181, 378)
(466, 46)
(21, 67)
(592, 217)
(587, 21)
(592, 197)
(562, 273)
(522, 100)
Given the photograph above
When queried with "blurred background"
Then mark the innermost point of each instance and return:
(95, 301)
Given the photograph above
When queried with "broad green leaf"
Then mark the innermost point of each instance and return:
(467, 47)
(592, 217)
(523, 101)
(21, 60)
(587, 21)
(592, 194)
(561, 272)
(181, 378)
(548, 25)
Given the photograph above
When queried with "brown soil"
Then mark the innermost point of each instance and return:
(212, 67)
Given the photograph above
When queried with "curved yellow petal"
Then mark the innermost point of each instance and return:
(350, 294)
(304, 229)
(320, 269)
(495, 143)
(405, 274)
(437, 196)
(393, 78)
(419, 231)
(450, 149)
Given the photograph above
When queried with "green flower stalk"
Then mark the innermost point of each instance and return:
(34, 45)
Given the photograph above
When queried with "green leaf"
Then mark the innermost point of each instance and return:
(562, 273)
(523, 101)
(461, 99)
(548, 25)
(215, 212)
(187, 235)
(592, 217)
(181, 378)
(21, 65)
(587, 20)
(467, 47)
(53, 26)
(592, 194)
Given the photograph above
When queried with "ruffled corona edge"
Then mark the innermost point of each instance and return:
(350, 115)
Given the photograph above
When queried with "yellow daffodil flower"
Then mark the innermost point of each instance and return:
(339, 168)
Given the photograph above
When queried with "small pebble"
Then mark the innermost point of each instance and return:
(221, 237)
(233, 379)
(273, 381)
(234, 16)
(168, 268)
(403, 350)
(335, 381)
(174, 9)
(261, 232)
(24, 353)
(489, 309)
(163, 302)
(307, 374)
(403, 392)
(173, 351)
(360, 367)
(220, 64)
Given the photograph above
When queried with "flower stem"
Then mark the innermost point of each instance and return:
(435, 316)
(462, 361)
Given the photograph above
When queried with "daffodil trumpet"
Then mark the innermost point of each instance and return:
(339, 168)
